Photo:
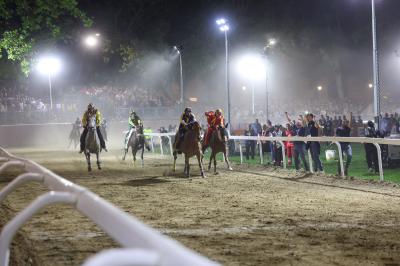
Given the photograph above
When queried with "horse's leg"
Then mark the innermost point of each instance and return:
(134, 155)
(199, 159)
(211, 157)
(175, 156)
(187, 166)
(98, 160)
(215, 164)
(125, 152)
(88, 162)
(141, 157)
(227, 161)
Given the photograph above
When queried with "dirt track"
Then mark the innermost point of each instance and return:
(252, 216)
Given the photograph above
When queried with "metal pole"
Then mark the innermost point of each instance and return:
(377, 98)
(266, 89)
(181, 72)
(51, 96)
(252, 98)
(227, 82)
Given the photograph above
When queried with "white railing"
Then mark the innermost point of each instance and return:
(143, 245)
(335, 140)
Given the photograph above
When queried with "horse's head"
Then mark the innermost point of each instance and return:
(92, 122)
(196, 128)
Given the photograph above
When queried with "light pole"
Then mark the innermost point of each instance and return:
(49, 65)
(224, 27)
(252, 67)
(377, 93)
(270, 44)
(179, 51)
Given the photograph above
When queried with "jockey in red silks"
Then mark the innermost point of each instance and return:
(214, 120)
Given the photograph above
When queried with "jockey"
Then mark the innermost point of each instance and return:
(215, 120)
(135, 123)
(186, 118)
(85, 119)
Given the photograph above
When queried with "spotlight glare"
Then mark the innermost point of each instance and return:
(91, 41)
(49, 65)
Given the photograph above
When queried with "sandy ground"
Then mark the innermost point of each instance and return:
(251, 216)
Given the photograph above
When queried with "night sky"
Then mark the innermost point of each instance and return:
(310, 34)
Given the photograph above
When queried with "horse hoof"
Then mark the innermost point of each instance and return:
(89, 169)
(99, 167)
(230, 169)
(216, 173)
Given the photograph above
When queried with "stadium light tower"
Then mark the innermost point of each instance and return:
(377, 90)
(224, 27)
(267, 50)
(49, 66)
(252, 67)
(178, 49)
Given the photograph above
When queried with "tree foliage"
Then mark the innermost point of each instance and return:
(29, 24)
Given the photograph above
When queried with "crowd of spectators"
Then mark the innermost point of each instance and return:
(125, 97)
(20, 106)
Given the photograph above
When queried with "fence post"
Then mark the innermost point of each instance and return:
(283, 153)
(261, 152)
(152, 144)
(241, 152)
(10, 164)
(21, 179)
(170, 146)
(161, 146)
(340, 158)
(11, 227)
(379, 151)
(310, 159)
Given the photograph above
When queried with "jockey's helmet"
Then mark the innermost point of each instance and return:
(90, 107)
(188, 110)
(218, 112)
(133, 113)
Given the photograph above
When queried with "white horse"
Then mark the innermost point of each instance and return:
(92, 143)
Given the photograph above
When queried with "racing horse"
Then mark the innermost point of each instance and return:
(136, 142)
(190, 146)
(74, 136)
(218, 144)
(92, 143)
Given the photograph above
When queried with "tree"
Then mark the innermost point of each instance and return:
(29, 25)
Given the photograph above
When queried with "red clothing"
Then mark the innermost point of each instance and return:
(213, 122)
(218, 121)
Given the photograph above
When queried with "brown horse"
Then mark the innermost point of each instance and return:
(218, 144)
(190, 147)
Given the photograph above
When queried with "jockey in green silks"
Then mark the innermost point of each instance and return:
(134, 124)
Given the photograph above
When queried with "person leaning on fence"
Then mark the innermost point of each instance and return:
(344, 131)
(299, 151)
(250, 144)
(315, 147)
(371, 152)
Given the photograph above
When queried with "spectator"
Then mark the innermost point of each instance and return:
(257, 128)
(315, 147)
(371, 153)
(344, 131)
(250, 144)
(299, 146)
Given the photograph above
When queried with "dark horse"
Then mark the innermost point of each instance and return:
(190, 146)
(92, 143)
(218, 144)
(136, 142)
